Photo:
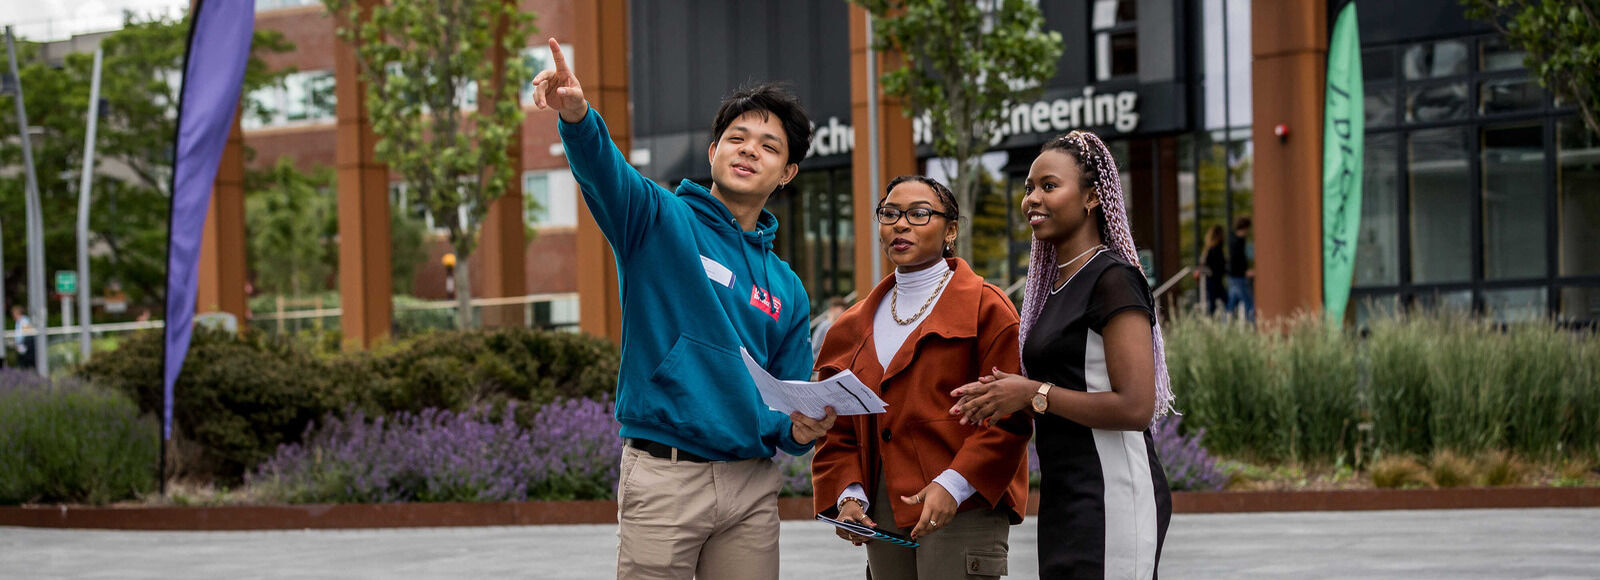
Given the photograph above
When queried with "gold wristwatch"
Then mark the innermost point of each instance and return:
(1041, 400)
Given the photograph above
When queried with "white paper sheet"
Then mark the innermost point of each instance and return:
(844, 392)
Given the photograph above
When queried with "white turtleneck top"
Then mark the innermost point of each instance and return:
(889, 336)
(914, 289)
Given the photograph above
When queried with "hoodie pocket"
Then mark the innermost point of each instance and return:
(682, 379)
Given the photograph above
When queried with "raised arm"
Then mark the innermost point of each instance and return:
(622, 200)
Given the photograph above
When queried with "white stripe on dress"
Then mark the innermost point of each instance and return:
(1130, 497)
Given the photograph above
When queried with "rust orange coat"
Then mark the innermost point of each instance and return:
(971, 329)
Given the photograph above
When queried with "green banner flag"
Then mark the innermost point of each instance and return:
(1343, 130)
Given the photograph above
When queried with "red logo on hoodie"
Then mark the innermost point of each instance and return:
(765, 301)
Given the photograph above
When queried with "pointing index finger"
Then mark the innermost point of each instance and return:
(556, 56)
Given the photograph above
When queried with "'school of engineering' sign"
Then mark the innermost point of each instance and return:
(1049, 116)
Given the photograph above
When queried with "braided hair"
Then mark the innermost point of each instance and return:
(1098, 172)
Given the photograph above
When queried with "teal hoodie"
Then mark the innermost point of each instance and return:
(695, 288)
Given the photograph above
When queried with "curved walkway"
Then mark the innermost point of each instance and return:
(1502, 543)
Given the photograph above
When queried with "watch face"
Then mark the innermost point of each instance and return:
(1039, 403)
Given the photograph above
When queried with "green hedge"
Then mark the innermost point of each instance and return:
(1409, 385)
(241, 396)
(69, 442)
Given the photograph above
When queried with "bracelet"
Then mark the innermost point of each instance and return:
(852, 499)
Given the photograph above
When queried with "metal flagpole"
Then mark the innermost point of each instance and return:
(873, 169)
(36, 304)
(83, 211)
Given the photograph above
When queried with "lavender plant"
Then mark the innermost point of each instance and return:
(571, 451)
(1189, 466)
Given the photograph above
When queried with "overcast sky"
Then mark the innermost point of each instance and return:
(56, 19)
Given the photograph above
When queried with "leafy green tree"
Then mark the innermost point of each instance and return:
(965, 63)
(293, 222)
(130, 199)
(287, 213)
(426, 64)
(1562, 39)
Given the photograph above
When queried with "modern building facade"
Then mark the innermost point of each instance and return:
(1480, 188)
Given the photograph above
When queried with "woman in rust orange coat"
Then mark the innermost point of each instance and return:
(929, 328)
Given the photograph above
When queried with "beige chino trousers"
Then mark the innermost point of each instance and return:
(680, 519)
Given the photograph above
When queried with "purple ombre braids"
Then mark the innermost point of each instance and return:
(1099, 172)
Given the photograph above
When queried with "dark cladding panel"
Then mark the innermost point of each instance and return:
(1158, 41)
(688, 54)
(1389, 22)
(1071, 19)
(663, 105)
(715, 62)
(830, 95)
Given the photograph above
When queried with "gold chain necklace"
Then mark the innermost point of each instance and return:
(895, 299)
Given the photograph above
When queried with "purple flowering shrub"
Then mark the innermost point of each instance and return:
(1188, 465)
(796, 473)
(570, 451)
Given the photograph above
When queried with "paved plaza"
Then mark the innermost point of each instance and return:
(1506, 543)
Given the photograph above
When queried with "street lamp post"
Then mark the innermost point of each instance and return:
(83, 212)
(36, 305)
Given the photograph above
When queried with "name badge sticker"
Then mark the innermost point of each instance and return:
(717, 272)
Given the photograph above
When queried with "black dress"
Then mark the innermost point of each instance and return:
(1104, 504)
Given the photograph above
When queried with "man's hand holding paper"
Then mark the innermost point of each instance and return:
(841, 394)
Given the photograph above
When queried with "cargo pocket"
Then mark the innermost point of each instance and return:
(985, 564)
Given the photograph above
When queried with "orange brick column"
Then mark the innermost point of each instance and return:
(1290, 48)
(222, 250)
(365, 287)
(602, 28)
(897, 153)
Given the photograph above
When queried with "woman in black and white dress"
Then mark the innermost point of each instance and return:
(1093, 372)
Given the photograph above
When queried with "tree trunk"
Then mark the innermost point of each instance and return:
(463, 294)
(965, 187)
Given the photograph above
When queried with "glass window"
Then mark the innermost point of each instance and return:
(535, 198)
(1517, 305)
(1116, 38)
(1434, 60)
(1368, 308)
(549, 198)
(1212, 197)
(816, 209)
(1225, 63)
(1496, 54)
(1241, 178)
(1579, 304)
(990, 217)
(303, 96)
(1454, 301)
(1513, 202)
(1437, 103)
(1378, 241)
(1441, 214)
(1578, 205)
(1508, 96)
(1377, 64)
(1380, 109)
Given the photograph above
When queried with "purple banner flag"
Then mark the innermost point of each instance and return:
(213, 77)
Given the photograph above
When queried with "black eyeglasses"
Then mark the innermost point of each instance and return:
(917, 216)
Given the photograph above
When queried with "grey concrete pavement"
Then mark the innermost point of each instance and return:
(1527, 543)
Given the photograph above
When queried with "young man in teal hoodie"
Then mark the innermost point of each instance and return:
(697, 494)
